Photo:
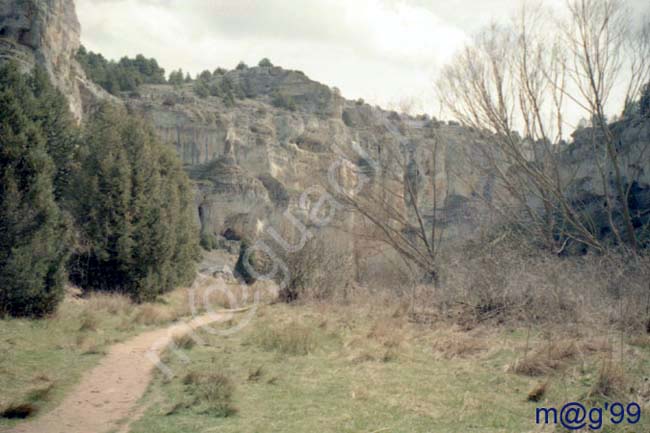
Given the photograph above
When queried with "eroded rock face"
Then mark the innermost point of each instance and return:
(47, 33)
(255, 158)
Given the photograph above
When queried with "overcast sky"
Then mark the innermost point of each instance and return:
(381, 50)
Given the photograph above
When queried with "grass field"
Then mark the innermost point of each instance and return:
(361, 369)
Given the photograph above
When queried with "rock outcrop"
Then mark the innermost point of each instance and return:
(254, 157)
(47, 33)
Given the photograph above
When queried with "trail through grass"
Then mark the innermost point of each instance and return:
(340, 369)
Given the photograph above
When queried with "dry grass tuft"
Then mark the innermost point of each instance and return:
(641, 341)
(363, 358)
(610, 382)
(111, 303)
(459, 345)
(151, 314)
(211, 393)
(30, 404)
(256, 374)
(547, 358)
(537, 393)
(183, 341)
(292, 339)
(390, 333)
(390, 355)
(89, 321)
(88, 345)
(40, 394)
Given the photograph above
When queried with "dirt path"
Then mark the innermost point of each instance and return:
(109, 393)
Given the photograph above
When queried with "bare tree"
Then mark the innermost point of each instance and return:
(400, 204)
(526, 77)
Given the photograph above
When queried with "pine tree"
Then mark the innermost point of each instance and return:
(33, 233)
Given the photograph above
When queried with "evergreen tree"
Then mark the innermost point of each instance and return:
(33, 232)
(52, 112)
(205, 76)
(123, 76)
(176, 77)
(134, 209)
(265, 63)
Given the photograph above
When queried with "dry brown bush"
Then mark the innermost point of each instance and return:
(89, 321)
(556, 355)
(112, 303)
(183, 341)
(388, 332)
(611, 381)
(504, 281)
(320, 270)
(151, 314)
(538, 392)
(459, 345)
(547, 358)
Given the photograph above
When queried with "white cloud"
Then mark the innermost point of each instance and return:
(381, 50)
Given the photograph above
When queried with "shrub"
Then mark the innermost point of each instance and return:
(347, 119)
(209, 242)
(241, 270)
(202, 89)
(281, 100)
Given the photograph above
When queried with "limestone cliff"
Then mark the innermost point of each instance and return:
(47, 33)
(252, 157)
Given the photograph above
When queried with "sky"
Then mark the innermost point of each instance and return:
(387, 52)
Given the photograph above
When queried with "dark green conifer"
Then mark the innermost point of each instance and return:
(34, 236)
